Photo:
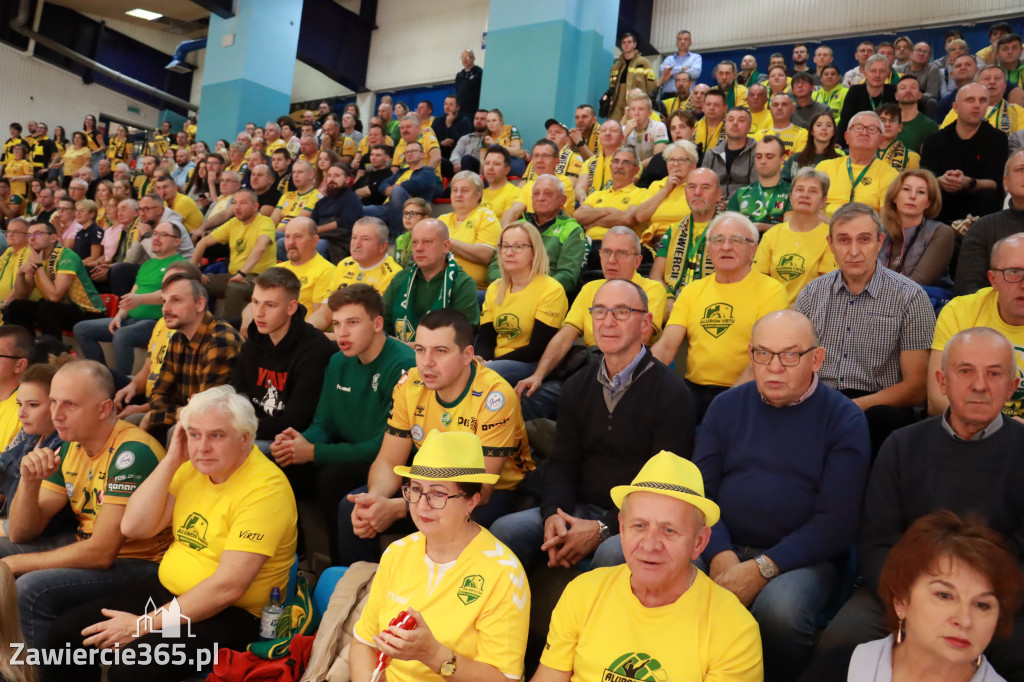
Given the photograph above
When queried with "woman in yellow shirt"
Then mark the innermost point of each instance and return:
(524, 309)
(664, 203)
(797, 251)
(76, 156)
(19, 171)
(508, 137)
(120, 148)
(472, 229)
(106, 207)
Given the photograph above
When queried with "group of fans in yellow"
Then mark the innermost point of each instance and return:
(728, 370)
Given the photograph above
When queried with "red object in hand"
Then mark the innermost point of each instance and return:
(403, 621)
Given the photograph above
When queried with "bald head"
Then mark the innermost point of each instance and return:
(303, 223)
(796, 323)
(92, 376)
(979, 342)
(431, 227)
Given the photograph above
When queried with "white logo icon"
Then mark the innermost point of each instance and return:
(170, 623)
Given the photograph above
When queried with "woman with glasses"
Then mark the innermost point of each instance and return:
(664, 203)
(466, 591)
(414, 210)
(797, 251)
(916, 245)
(524, 309)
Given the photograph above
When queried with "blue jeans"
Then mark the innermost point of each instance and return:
(523, 533)
(543, 404)
(322, 247)
(786, 611)
(47, 594)
(391, 212)
(352, 548)
(134, 333)
(512, 371)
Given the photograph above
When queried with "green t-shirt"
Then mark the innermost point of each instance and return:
(462, 297)
(917, 131)
(148, 281)
(762, 204)
(82, 292)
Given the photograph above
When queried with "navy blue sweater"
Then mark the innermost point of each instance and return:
(789, 480)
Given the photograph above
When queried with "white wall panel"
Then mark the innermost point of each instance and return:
(36, 90)
(311, 84)
(420, 43)
(739, 23)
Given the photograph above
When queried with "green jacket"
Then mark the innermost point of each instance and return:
(567, 247)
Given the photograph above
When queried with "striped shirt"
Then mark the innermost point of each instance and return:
(863, 334)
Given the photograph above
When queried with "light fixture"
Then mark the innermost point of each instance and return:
(143, 14)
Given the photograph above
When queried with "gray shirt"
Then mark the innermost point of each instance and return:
(468, 145)
(929, 78)
(804, 115)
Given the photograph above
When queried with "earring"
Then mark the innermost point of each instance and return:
(900, 632)
(977, 663)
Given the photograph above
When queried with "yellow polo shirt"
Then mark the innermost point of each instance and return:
(870, 190)
(480, 227)
(610, 198)
(315, 276)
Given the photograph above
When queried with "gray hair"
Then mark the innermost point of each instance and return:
(734, 217)
(727, 62)
(810, 173)
(245, 135)
(231, 174)
(132, 204)
(470, 177)
(79, 182)
(688, 147)
(870, 114)
(272, 126)
(631, 150)
(123, 168)
(624, 231)
(547, 177)
(854, 210)
(966, 334)
(876, 58)
(303, 162)
(1009, 162)
(103, 381)
(226, 401)
(411, 117)
(378, 225)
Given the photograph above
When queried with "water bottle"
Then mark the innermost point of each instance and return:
(272, 614)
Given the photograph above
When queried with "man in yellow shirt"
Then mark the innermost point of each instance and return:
(313, 270)
(710, 130)
(300, 202)
(369, 263)
(715, 314)
(16, 350)
(999, 307)
(735, 94)
(597, 171)
(569, 162)
(143, 182)
(101, 464)
(793, 137)
(657, 617)
(585, 137)
(607, 208)
(499, 194)
(411, 131)
(544, 158)
(14, 257)
(190, 214)
(760, 114)
(861, 176)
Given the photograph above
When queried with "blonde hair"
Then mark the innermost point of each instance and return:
(10, 630)
(891, 216)
(540, 257)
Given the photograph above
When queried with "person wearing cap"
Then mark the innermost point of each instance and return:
(569, 164)
(448, 390)
(543, 160)
(778, 553)
(657, 617)
(466, 591)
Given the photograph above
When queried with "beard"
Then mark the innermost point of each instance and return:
(333, 190)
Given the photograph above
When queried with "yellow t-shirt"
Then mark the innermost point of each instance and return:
(526, 195)
(543, 299)
(794, 137)
(275, 145)
(599, 170)
(345, 146)
(569, 163)
(349, 272)
(500, 200)
(870, 190)
(794, 258)
(980, 309)
(480, 227)
(10, 262)
(10, 424)
(191, 216)
(600, 631)
(610, 198)
(292, 204)
(760, 122)
(670, 211)
(707, 138)
(718, 320)
(315, 276)
(364, 144)
(488, 407)
(579, 317)
(125, 460)
(253, 511)
(159, 340)
(477, 605)
(142, 185)
(241, 239)
(15, 168)
(74, 159)
(427, 139)
(1007, 117)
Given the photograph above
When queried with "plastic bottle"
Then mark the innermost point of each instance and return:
(272, 614)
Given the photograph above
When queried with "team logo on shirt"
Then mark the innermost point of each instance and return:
(446, 418)
(790, 266)
(507, 325)
(717, 319)
(193, 532)
(494, 401)
(125, 459)
(634, 666)
(472, 588)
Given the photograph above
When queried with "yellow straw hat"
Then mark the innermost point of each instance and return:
(449, 456)
(671, 475)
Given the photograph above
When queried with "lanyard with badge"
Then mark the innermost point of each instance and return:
(1000, 117)
(860, 178)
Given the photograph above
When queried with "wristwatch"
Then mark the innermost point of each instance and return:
(448, 667)
(766, 567)
(603, 532)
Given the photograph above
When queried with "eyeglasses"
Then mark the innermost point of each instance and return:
(514, 248)
(435, 499)
(411, 214)
(16, 232)
(678, 162)
(1011, 275)
(735, 240)
(617, 253)
(38, 234)
(789, 358)
(871, 130)
(619, 312)
(543, 156)
(168, 235)
(13, 357)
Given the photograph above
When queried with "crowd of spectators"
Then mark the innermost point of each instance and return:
(745, 355)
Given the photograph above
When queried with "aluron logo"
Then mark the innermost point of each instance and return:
(193, 531)
(635, 667)
(717, 319)
(790, 266)
(250, 535)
